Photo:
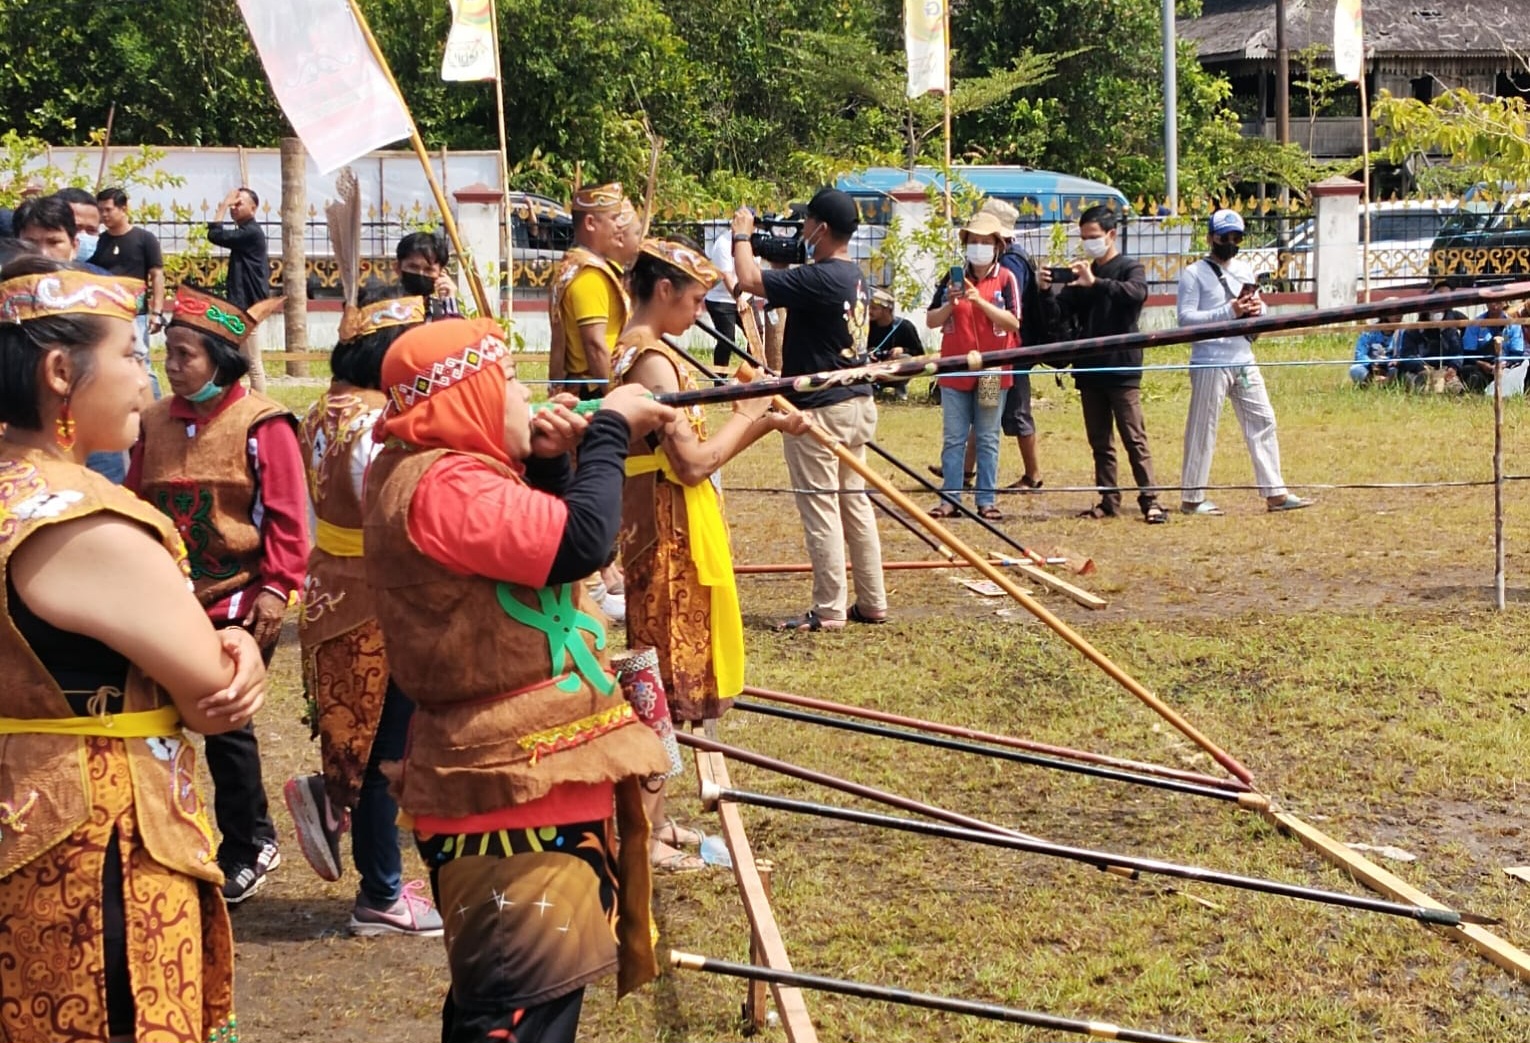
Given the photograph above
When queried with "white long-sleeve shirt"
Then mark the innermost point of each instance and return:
(1203, 297)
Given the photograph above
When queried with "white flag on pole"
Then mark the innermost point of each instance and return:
(1349, 40)
(924, 40)
(470, 44)
(326, 79)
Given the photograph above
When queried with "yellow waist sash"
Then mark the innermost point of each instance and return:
(714, 568)
(141, 724)
(337, 541)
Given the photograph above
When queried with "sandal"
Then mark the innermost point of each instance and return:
(1026, 484)
(857, 616)
(1096, 513)
(943, 510)
(679, 862)
(990, 513)
(809, 622)
(678, 835)
(1154, 515)
(1205, 507)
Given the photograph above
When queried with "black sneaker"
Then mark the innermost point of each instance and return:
(318, 827)
(244, 880)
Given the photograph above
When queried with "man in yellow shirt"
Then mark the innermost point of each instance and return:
(589, 305)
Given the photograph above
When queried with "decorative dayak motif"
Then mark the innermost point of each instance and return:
(447, 372)
(19, 481)
(189, 508)
(575, 733)
(69, 293)
(201, 311)
(563, 625)
(13, 817)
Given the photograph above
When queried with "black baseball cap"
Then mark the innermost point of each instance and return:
(835, 209)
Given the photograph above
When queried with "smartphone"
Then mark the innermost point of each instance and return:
(958, 277)
(1061, 275)
(1249, 289)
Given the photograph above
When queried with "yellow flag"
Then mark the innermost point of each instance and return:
(924, 40)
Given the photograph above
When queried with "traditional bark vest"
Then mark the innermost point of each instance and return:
(43, 794)
(336, 596)
(512, 688)
(638, 492)
(576, 260)
(200, 476)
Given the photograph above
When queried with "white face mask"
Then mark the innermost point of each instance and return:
(85, 246)
(1096, 248)
(980, 255)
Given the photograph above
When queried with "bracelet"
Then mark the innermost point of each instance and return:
(740, 237)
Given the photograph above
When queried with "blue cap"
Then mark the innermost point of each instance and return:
(1224, 221)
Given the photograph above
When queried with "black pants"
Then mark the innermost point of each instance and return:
(725, 320)
(239, 797)
(556, 1021)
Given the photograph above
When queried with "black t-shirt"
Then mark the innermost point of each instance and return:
(249, 269)
(900, 333)
(826, 305)
(132, 254)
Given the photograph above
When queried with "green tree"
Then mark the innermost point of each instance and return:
(1485, 139)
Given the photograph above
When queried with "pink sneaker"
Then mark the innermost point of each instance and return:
(318, 827)
(413, 913)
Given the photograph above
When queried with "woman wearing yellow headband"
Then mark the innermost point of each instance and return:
(108, 881)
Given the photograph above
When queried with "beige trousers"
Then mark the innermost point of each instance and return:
(843, 516)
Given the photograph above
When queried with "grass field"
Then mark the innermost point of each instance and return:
(1347, 654)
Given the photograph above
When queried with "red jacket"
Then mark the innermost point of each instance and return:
(968, 329)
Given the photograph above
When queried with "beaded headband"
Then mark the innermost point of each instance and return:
(683, 257)
(443, 374)
(396, 311)
(208, 314)
(600, 199)
(69, 293)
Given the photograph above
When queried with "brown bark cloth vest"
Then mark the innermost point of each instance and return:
(336, 596)
(200, 476)
(43, 790)
(512, 688)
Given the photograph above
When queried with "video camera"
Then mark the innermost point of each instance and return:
(778, 239)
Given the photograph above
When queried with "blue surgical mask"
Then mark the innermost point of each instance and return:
(85, 246)
(811, 247)
(206, 393)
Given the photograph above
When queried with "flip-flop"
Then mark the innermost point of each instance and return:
(679, 862)
(1291, 503)
(1205, 508)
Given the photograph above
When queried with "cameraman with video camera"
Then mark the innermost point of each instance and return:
(826, 304)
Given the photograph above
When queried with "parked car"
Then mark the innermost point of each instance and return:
(1488, 241)
(1403, 234)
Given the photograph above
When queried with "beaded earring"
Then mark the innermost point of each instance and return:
(64, 428)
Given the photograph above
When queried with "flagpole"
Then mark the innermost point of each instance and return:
(945, 39)
(507, 228)
(480, 297)
(1365, 173)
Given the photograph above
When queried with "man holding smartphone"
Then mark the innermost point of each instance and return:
(1214, 289)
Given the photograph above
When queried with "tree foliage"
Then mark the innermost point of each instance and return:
(755, 99)
(1485, 139)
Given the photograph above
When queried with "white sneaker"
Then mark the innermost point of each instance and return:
(614, 606)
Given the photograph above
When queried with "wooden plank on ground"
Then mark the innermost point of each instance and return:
(1509, 957)
(762, 919)
(1042, 577)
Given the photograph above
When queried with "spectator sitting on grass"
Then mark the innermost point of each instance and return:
(1375, 349)
(1428, 356)
(1477, 352)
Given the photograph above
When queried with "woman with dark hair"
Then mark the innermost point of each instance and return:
(108, 884)
(359, 716)
(681, 599)
(224, 464)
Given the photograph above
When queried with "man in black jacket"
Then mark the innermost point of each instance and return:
(249, 265)
(1103, 297)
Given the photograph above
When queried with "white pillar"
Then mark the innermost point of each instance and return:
(1336, 240)
(911, 210)
(478, 215)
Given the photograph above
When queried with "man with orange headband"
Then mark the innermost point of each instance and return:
(478, 533)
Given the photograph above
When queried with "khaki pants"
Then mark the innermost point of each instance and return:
(831, 522)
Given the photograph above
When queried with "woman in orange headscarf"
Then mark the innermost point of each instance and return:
(478, 534)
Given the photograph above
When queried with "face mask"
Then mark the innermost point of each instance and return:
(1224, 251)
(206, 393)
(1096, 248)
(811, 246)
(417, 285)
(85, 246)
(980, 255)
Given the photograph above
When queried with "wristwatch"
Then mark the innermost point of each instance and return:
(740, 237)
